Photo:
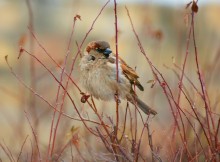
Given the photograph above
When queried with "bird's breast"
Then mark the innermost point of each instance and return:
(101, 82)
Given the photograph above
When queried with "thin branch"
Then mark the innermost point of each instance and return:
(35, 136)
(22, 148)
(117, 78)
(5, 151)
(202, 87)
(42, 98)
(63, 96)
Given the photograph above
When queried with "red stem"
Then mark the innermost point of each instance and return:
(57, 64)
(63, 97)
(117, 72)
(182, 74)
(72, 101)
(22, 148)
(32, 102)
(203, 88)
(8, 154)
(216, 133)
(41, 97)
(72, 67)
(35, 136)
(153, 68)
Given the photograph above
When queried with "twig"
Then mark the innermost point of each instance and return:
(163, 85)
(32, 151)
(9, 151)
(32, 63)
(202, 86)
(5, 151)
(69, 96)
(117, 73)
(139, 142)
(63, 96)
(41, 97)
(184, 65)
(34, 134)
(54, 61)
(188, 79)
(105, 142)
(22, 148)
(124, 125)
(216, 133)
(71, 149)
(150, 141)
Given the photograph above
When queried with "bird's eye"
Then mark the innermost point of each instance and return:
(100, 50)
(91, 57)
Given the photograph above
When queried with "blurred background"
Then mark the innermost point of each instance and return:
(162, 26)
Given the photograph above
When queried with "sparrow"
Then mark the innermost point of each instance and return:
(98, 75)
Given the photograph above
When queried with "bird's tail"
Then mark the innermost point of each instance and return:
(145, 108)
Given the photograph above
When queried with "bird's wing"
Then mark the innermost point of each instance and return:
(130, 74)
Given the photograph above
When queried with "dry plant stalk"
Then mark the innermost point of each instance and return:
(124, 139)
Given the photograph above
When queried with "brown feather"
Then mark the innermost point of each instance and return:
(131, 75)
(97, 44)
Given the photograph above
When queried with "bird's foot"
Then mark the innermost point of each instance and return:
(117, 99)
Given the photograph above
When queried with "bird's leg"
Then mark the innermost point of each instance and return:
(117, 98)
(84, 97)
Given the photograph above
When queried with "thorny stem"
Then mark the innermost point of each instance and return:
(63, 69)
(188, 79)
(150, 141)
(181, 77)
(117, 77)
(63, 96)
(182, 73)
(216, 133)
(153, 68)
(73, 63)
(43, 99)
(72, 101)
(57, 64)
(202, 87)
(184, 63)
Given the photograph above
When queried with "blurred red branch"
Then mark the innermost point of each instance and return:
(72, 67)
(207, 108)
(35, 136)
(32, 62)
(42, 98)
(63, 96)
(54, 61)
(7, 151)
(22, 148)
(117, 73)
(32, 101)
(162, 83)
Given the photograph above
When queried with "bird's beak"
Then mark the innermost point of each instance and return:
(107, 51)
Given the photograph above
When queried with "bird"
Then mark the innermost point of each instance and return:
(98, 75)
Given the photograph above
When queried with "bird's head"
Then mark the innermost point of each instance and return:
(98, 48)
(96, 53)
